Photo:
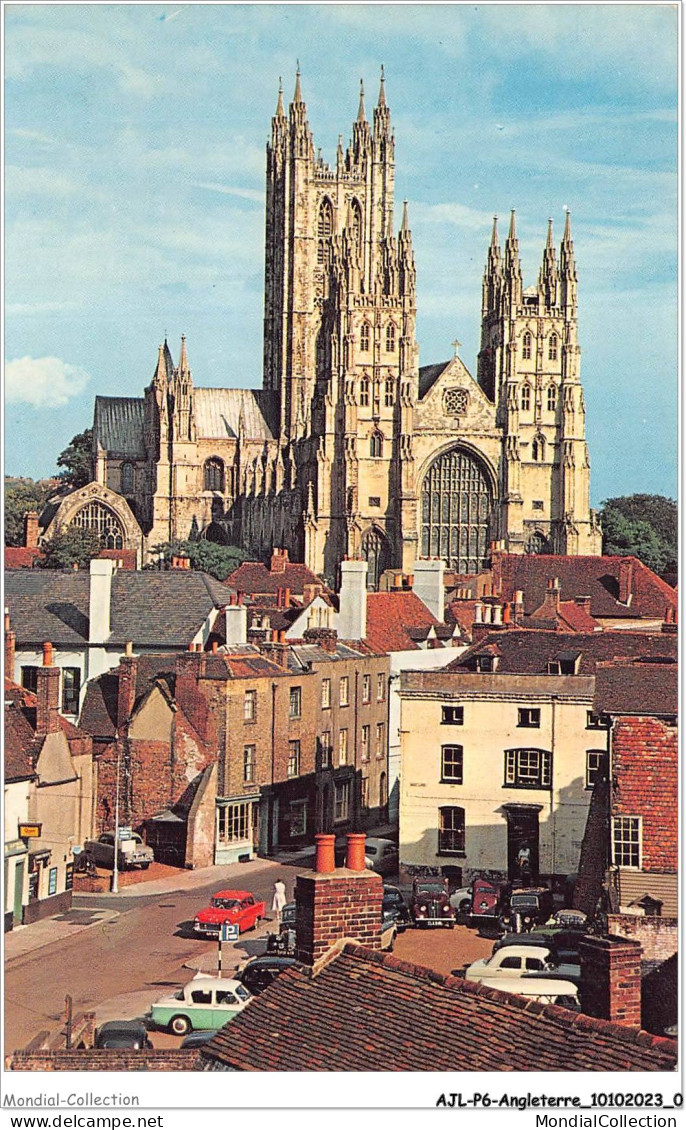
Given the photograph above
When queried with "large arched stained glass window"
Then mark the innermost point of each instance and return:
(103, 522)
(457, 505)
(376, 552)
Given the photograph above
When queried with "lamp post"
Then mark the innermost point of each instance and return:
(115, 869)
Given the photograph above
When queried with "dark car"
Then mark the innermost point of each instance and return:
(430, 904)
(259, 973)
(198, 1039)
(527, 907)
(122, 1034)
(564, 944)
(394, 904)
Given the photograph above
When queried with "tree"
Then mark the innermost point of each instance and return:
(70, 547)
(206, 556)
(22, 495)
(643, 525)
(76, 460)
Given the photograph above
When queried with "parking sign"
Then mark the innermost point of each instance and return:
(229, 932)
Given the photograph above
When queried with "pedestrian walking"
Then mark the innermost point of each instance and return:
(279, 900)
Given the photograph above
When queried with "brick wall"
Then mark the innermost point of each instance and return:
(658, 937)
(104, 1059)
(611, 979)
(334, 905)
(645, 765)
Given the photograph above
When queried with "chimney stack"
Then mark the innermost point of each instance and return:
(236, 624)
(429, 586)
(611, 979)
(626, 576)
(100, 599)
(47, 695)
(352, 617)
(334, 903)
(126, 690)
(31, 529)
(279, 561)
(10, 646)
(584, 602)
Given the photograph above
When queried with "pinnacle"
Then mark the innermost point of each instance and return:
(568, 227)
(405, 226)
(512, 233)
(279, 102)
(549, 241)
(494, 233)
(360, 113)
(382, 88)
(297, 96)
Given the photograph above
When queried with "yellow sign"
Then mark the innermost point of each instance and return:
(30, 831)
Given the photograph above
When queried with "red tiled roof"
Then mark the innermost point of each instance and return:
(366, 1011)
(253, 578)
(390, 615)
(528, 651)
(21, 556)
(21, 745)
(573, 616)
(637, 688)
(597, 577)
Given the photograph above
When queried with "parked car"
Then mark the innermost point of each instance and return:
(563, 944)
(461, 900)
(132, 852)
(239, 908)
(259, 973)
(205, 1002)
(389, 932)
(381, 856)
(430, 904)
(526, 907)
(198, 1039)
(513, 961)
(547, 990)
(122, 1034)
(394, 903)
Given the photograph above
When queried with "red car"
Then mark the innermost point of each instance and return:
(236, 907)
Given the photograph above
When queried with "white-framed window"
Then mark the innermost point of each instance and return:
(342, 801)
(295, 702)
(528, 768)
(297, 817)
(366, 688)
(380, 687)
(595, 761)
(344, 691)
(626, 841)
(325, 749)
(71, 689)
(234, 822)
(326, 694)
(250, 706)
(249, 763)
(451, 831)
(452, 715)
(294, 758)
(364, 792)
(342, 747)
(380, 739)
(365, 742)
(451, 764)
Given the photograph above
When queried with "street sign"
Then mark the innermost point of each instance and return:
(229, 932)
(125, 832)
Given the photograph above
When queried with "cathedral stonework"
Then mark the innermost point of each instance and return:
(350, 448)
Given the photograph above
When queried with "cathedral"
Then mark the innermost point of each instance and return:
(351, 448)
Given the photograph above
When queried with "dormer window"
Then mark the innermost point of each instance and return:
(486, 664)
(566, 663)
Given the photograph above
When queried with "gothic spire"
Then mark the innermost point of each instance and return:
(549, 241)
(512, 266)
(184, 367)
(297, 96)
(160, 377)
(361, 116)
(568, 276)
(405, 225)
(382, 89)
(494, 235)
(279, 102)
(548, 277)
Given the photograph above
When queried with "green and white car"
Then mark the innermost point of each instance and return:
(205, 1002)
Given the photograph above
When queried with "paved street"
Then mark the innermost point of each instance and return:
(133, 945)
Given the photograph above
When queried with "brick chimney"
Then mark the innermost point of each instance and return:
(429, 586)
(31, 529)
(48, 695)
(550, 608)
(611, 979)
(584, 602)
(352, 615)
(337, 902)
(670, 623)
(626, 577)
(279, 561)
(276, 649)
(327, 638)
(10, 645)
(126, 694)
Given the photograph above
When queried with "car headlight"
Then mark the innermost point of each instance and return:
(423, 909)
(446, 910)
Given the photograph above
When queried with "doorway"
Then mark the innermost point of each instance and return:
(522, 834)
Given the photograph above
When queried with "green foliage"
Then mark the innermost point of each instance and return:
(76, 460)
(206, 556)
(72, 546)
(22, 495)
(643, 525)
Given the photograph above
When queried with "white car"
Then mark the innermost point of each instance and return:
(517, 961)
(204, 1003)
(381, 856)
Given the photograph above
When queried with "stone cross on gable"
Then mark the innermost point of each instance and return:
(456, 347)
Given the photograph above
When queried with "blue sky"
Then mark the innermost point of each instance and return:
(134, 173)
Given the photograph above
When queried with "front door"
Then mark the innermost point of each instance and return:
(522, 842)
(18, 890)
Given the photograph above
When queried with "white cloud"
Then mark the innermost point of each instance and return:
(43, 382)
(229, 190)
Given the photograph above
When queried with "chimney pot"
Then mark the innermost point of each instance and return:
(47, 655)
(324, 860)
(355, 851)
(215, 647)
(286, 598)
(128, 648)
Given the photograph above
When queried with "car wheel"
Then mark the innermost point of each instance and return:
(465, 906)
(144, 866)
(180, 1025)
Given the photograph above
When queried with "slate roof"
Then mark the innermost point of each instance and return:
(637, 688)
(597, 577)
(528, 651)
(255, 579)
(395, 620)
(368, 1011)
(428, 375)
(217, 412)
(152, 609)
(21, 744)
(99, 710)
(118, 424)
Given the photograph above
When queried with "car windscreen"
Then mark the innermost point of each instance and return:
(524, 902)
(431, 889)
(242, 993)
(370, 850)
(223, 904)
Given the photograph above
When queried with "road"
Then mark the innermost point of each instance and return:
(120, 956)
